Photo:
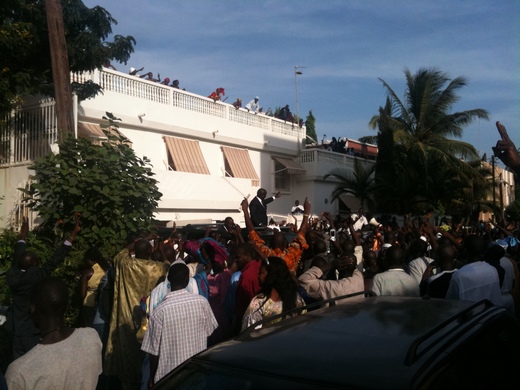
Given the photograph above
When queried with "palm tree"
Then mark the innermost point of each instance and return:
(420, 129)
(361, 185)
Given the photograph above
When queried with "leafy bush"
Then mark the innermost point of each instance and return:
(110, 187)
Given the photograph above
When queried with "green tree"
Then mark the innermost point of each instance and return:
(368, 139)
(310, 125)
(110, 187)
(25, 65)
(359, 182)
(415, 140)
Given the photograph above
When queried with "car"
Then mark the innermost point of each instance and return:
(365, 343)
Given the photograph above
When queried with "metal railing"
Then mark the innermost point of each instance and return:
(27, 134)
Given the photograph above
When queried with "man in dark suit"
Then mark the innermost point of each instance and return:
(258, 207)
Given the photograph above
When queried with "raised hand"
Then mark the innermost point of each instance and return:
(506, 150)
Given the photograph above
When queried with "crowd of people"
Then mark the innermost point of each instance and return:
(163, 299)
(284, 113)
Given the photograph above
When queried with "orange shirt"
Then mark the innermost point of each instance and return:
(291, 255)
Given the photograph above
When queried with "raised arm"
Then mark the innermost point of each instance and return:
(247, 217)
(306, 215)
(506, 150)
(353, 234)
(20, 246)
(59, 255)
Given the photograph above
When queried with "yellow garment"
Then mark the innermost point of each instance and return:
(93, 283)
(134, 279)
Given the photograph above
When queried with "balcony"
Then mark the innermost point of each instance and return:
(28, 133)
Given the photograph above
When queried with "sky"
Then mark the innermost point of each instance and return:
(342, 48)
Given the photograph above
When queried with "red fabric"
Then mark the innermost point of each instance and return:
(247, 288)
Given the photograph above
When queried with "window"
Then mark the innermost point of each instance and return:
(283, 169)
(238, 164)
(184, 155)
(281, 177)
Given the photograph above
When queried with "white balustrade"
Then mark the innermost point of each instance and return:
(27, 133)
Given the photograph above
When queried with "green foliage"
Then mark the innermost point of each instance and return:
(7, 242)
(368, 139)
(419, 164)
(25, 65)
(361, 185)
(310, 125)
(109, 186)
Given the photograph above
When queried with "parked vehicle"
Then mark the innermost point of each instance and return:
(372, 343)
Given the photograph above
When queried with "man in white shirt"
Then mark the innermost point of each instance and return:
(350, 279)
(359, 220)
(395, 281)
(476, 280)
(253, 105)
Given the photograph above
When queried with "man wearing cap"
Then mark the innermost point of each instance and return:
(253, 105)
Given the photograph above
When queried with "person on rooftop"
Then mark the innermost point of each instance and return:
(253, 105)
(149, 76)
(285, 114)
(135, 72)
(217, 94)
(238, 103)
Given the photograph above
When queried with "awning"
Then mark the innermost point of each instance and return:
(293, 168)
(240, 165)
(350, 201)
(96, 134)
(90, 130)
(185, 155)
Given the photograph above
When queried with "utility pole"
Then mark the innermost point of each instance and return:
(60, 68)
(296, 74)
(493, 180)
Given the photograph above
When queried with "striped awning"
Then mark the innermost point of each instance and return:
(292, 166)
(240, 165)
(90, 130)
(185, 155)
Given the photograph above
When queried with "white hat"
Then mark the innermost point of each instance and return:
(257, 98)
(132, 69)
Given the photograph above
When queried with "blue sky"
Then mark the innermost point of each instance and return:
(251, 48)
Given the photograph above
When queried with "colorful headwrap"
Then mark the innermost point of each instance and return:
(193, 249)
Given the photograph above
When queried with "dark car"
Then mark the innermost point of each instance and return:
(372, 343)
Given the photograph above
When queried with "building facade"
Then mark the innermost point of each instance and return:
(206, 155)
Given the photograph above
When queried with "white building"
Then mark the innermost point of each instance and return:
(206, 155)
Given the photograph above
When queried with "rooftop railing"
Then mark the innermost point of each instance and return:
(27, 133)
(144, 89)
